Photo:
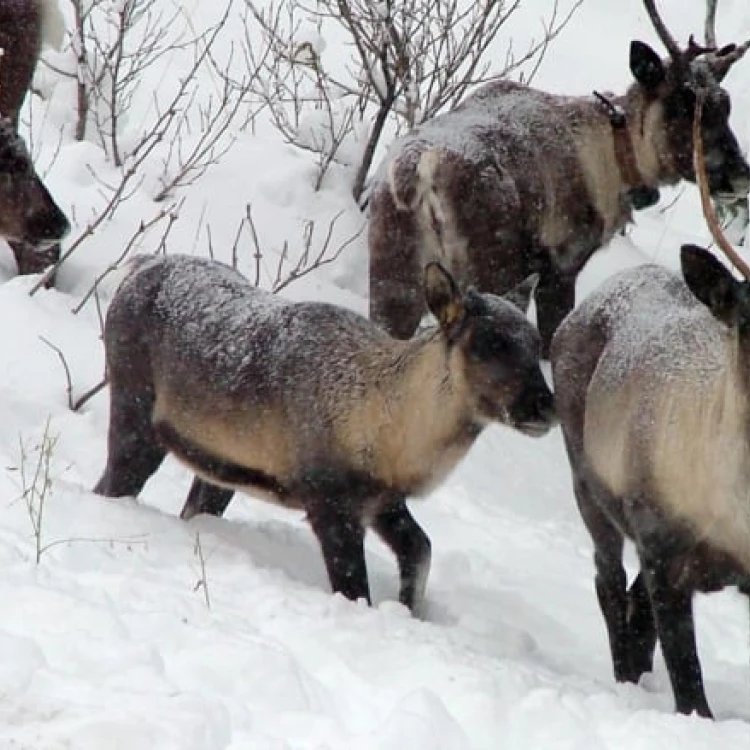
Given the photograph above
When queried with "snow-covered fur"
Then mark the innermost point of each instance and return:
(516, 180)
(651, 377)
(309, 404)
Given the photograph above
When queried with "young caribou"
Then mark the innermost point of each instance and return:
(311, 405)
(652, 382)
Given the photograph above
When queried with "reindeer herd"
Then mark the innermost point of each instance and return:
(473, 214)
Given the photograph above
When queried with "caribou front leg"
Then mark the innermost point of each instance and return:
(398, 529)
(555, 298)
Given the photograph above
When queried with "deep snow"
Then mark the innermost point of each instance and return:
(109, 643)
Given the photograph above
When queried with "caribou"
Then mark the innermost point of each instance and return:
(30, 219)
(652, 385)
(310, 405)
(515, 180)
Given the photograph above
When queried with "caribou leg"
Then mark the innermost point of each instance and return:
(341, 536)
(673, 613)
(555, 298)
(205, 497)
(398, 529)
(396, 297)
(133, 452)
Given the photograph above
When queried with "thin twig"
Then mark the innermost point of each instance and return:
(68, 380)
(89, 394)
(202, 582)
(172, 214)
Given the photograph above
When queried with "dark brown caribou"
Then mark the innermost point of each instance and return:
(29, 218)
(652, 382)
(516, 180)
(311, 405)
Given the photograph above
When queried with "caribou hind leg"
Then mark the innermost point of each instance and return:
(396, 296)
(610, 581)
(133, 451)
(641, 628)
(205, 497)
(398, 529)
(673, 613)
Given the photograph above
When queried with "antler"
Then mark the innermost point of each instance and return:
(695, 50)
(719, 60)
(723, 59)
(727, 56)
(667, 39)
(699, 164)
(709, 30)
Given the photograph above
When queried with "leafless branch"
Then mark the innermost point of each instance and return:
(171, 214)
(308, 260)
(79, 403)
(187, 129)
(410, 60)
(68, 379)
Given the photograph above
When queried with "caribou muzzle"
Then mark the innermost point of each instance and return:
(533, 412)
(727, 187)
(45, 224)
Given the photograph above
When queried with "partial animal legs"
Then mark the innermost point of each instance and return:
(133, 453)
(341, 535)
(673, 612)
(398, 529)
(555, 297)
(396, 296)
(641, 628)
(205, 497)
(626, 614)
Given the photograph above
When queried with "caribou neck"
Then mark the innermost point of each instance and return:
(647, 136)
(623, 121)
(425, 369)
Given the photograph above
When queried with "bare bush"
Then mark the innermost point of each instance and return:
(187, 129)
(276, 268)
(37, 481)
(36, 487)
(409, 60)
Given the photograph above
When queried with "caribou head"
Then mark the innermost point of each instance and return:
(671, 88)
(28, 213)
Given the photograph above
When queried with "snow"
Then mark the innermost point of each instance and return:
(109, 640)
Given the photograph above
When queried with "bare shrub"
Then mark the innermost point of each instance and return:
(408, 61)
(275, 268)
(189, 126)
(37, 485)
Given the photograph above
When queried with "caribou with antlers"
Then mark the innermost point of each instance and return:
(516, 180)
(29, 217)
(652, 385)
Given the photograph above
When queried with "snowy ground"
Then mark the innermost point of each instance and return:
(108, 642)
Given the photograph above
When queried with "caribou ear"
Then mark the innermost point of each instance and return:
(711, 282)
(521, 294)
(444, 299)
(646, 66)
